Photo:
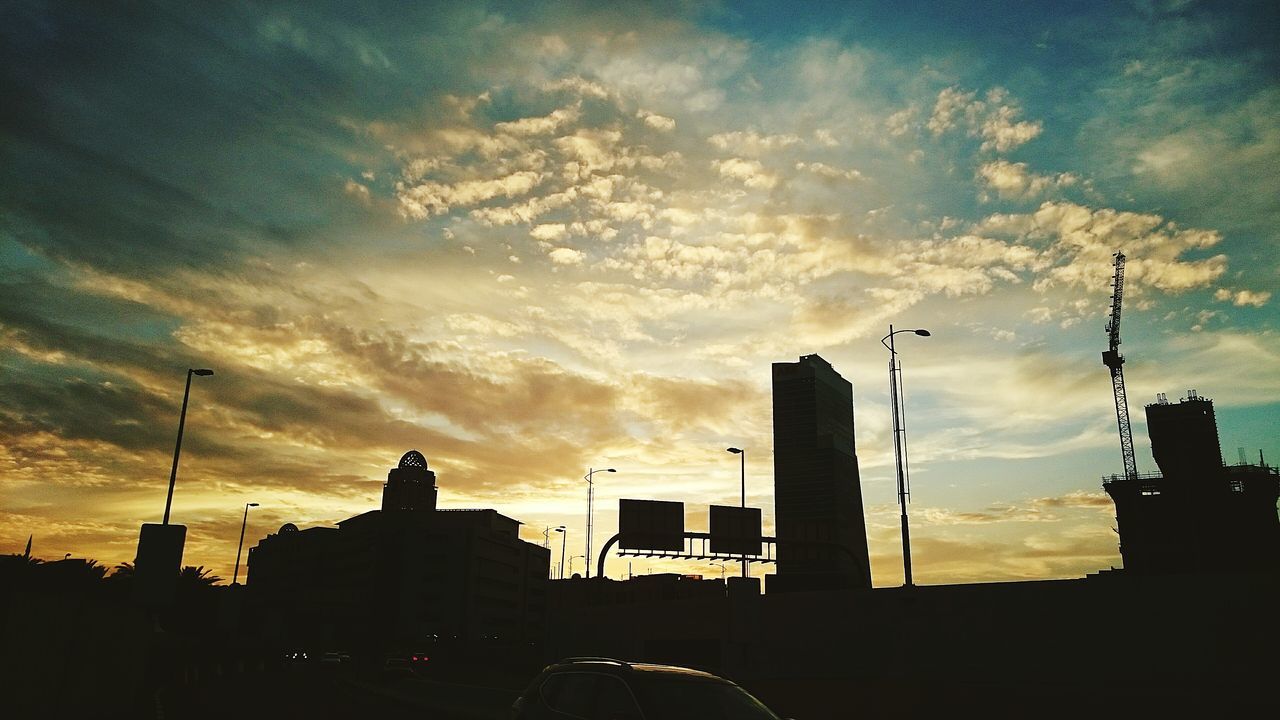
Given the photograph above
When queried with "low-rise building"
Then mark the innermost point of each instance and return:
(408, 573)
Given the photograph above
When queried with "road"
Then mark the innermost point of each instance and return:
(313, 693)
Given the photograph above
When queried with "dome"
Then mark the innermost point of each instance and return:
(288, 528)
(413, 458)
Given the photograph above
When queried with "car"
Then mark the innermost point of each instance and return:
(594, 688)
(334, 659)
(396, 667)
(419, 661)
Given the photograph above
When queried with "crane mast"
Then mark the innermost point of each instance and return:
(1114, 361)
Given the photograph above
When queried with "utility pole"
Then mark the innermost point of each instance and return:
(591, 496)
(900, 446)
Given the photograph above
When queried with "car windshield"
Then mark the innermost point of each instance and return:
(675, 698)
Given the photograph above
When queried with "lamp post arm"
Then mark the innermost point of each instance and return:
(177, 448)
(245, 521)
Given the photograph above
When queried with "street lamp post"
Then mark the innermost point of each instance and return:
(575, 557)
(900, 445)
(591, 496)
(742, 454)
(236, 575)
(177, 449)
(563, 540)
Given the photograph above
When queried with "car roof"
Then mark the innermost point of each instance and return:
(621, 666)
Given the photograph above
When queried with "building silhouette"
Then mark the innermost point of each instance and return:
(1184, 436)
(404, 574)
(410, 485)
(1197, 514)
(822, 539)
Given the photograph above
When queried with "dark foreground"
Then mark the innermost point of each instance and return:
(1104, 647)
(318, 692)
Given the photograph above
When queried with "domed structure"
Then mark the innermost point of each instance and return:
(410, 486)
(288, 528)
(413, 458)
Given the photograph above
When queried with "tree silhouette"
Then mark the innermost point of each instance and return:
(193, 576)
(15, 569)
(93, 570)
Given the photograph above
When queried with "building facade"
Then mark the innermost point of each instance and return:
(822, 539)
(408, 573)
(1196, 514)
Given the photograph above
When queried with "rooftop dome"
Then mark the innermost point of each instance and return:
(288, 528)
(413, 458)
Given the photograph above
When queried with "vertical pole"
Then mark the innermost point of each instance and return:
(894, 391)
(546, 543)
(236, 575)
(173, 474)
(564, 539)
(591, 492)
(746, 572)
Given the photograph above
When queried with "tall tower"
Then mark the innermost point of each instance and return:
(817, 494)
(1184, 437)
(410, 486)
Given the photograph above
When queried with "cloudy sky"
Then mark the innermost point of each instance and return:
(528, 239)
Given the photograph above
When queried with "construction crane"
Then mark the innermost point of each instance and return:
(1114, 361)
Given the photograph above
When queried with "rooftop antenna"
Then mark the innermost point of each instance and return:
(1114, 361)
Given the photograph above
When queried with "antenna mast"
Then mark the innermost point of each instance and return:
(1115, 362)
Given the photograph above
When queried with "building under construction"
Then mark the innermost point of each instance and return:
(1196, 514)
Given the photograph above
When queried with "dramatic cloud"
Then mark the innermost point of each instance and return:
(1013, 180)
(529, 240)
(994, 118)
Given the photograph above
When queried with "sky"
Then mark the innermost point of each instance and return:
(529, 239)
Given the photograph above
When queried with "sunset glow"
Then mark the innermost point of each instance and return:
(528, 239)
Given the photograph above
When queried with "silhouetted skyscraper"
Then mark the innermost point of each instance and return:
(817, 493)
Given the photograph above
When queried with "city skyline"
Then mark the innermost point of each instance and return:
(531, 239)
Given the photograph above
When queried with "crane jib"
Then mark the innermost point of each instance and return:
(1114, 361)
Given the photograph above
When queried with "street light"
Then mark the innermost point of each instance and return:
(177, 449)
(563, 539)
(236, 575)
(900, 445)
(743, 455)
(575, 557)
(591, 496)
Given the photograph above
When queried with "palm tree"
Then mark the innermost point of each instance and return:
(93, 570)
(198, 576)
(16, 568)
(123, 570)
